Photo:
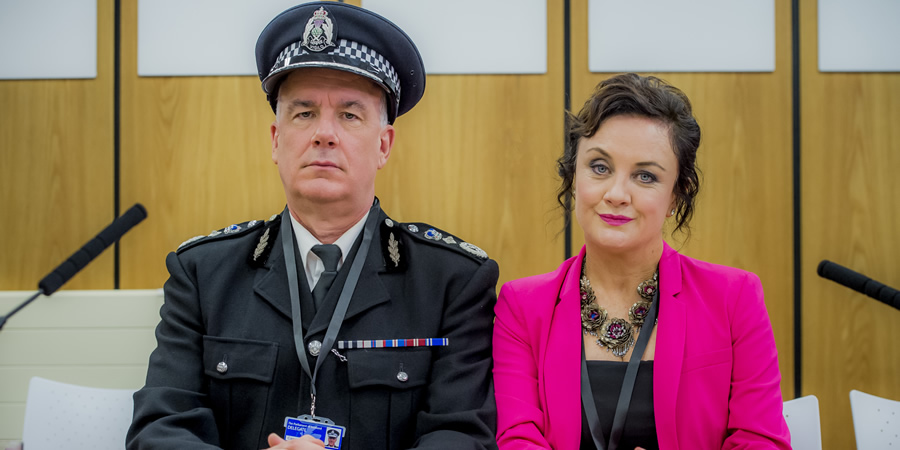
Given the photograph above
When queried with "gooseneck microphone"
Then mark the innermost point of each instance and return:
(54, 280)
(859, 283)
(65, 271)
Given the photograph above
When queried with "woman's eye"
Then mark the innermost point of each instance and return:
(646, 177)
(600, 169)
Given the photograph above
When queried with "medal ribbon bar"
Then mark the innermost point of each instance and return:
(390, 343)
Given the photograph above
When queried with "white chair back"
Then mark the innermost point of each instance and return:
(60, 415)
(802, 417)
(876, 421)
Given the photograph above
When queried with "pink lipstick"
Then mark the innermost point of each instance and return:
(615, 220)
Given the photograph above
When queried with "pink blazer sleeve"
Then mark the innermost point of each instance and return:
(755, 417)
(520, 420)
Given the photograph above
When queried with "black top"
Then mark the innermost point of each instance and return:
(606, 381)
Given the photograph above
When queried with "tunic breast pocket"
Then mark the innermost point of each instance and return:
(387, 384)
(240, 372)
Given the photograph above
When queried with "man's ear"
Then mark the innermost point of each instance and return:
(387, 143)
(273, 131)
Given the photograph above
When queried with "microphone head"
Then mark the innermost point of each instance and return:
(823, 265)
(135, 214)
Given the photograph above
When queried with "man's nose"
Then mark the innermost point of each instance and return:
(326, 133)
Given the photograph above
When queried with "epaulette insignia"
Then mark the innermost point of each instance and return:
(190, 241)
(428, 233)
(232, 230)
(265, 243)
(473, 249)
(393, 250)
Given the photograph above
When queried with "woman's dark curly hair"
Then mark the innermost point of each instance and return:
(635, 95)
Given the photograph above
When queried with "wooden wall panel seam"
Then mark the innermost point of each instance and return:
(117, 141)
(797, 231)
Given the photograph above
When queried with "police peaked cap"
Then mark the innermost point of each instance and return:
(344, 37)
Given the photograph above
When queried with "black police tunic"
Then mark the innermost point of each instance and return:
(227, 301)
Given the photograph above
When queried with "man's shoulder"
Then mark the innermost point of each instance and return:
(402, 244)
(403, 241)
(262, 231)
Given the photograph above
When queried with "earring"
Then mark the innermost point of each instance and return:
(672, 212)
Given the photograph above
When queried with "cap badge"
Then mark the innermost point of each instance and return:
(319, 32)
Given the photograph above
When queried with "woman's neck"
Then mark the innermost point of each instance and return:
(618, 273)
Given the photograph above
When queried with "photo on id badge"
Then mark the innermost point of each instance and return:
(317, 427)
(333, 438)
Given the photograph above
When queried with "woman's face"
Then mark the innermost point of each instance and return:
(624, 183)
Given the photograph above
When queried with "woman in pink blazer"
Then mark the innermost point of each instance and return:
(708, 375)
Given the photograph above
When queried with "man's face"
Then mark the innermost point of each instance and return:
(329, 138)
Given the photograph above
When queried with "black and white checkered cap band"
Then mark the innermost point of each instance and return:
(352, 50)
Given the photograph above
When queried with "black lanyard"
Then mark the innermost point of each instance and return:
(587, 396)
(343, 302)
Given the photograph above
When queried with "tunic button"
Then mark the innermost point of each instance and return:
(402, 376)
(222, 367)
(314, 348)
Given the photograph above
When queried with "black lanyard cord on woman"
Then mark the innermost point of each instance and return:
(587, 396)
(343, 302)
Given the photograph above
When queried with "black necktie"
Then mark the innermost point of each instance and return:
(330, 254)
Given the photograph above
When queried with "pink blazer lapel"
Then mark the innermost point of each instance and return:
(669, 347)
(561, 378)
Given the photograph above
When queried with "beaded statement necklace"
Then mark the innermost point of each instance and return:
(616, 335)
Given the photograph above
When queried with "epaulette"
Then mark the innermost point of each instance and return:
(395, 255)
(230, 231)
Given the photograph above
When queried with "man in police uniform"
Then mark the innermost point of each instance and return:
(385, 333)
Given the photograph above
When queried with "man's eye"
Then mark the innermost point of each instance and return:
(349, 116)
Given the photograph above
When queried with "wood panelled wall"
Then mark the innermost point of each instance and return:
(850, 138)
(56, 169)
(196, 153)
(743, 215)
(476, 157)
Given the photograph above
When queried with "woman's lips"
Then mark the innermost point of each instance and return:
(615, 220)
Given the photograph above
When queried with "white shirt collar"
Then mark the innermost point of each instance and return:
(305, 241)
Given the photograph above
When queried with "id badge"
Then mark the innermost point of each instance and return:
(318, 427)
